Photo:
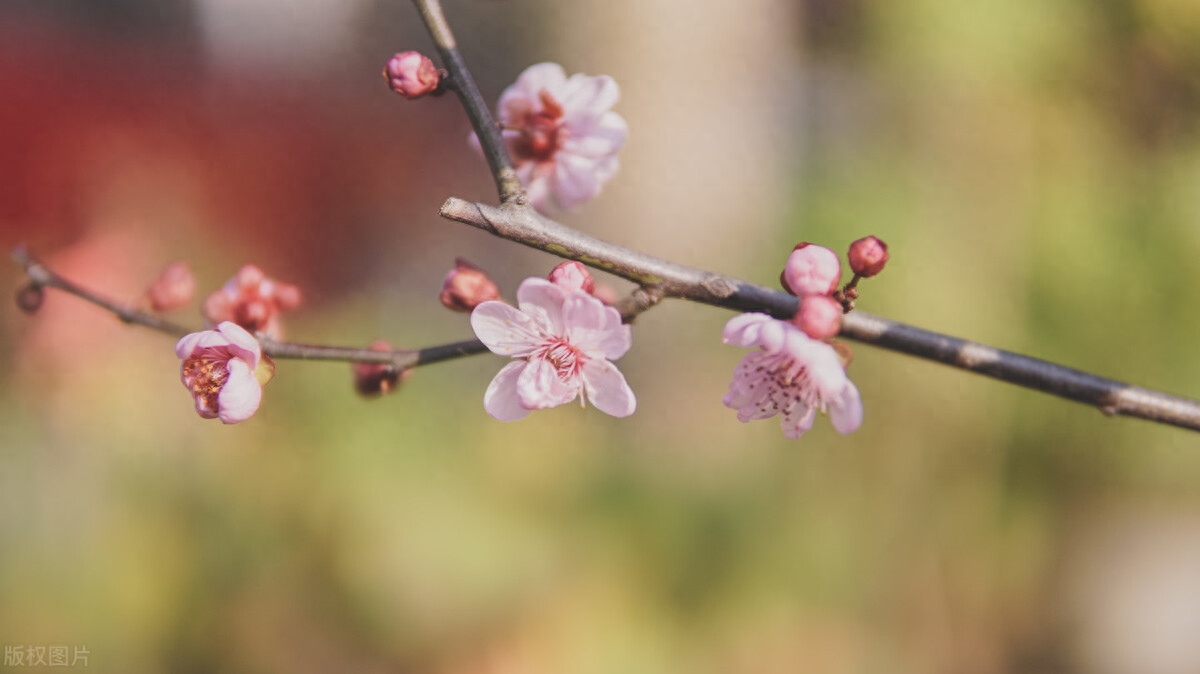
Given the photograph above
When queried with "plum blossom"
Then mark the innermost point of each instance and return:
(411, 74)
(572, 275)
(562, 134)
(789, 374)
(561, 343)
(224, 370)
(172, 288)
(252, 300)
(466, 287)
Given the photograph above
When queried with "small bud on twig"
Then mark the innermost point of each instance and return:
(30, 298)
(172, 289)
(571, 276)
(811, 270)
(466, 287)
(376, 379)
(868, 256)
(412, 75)
(819, 316)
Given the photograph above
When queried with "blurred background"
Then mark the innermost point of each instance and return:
(1034, 166)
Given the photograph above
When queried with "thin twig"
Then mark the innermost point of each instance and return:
(402, 359)
(507, 183)
(523, 225)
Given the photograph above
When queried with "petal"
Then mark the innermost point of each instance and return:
(586, 99)
(846, 411)
(505, 330)
(607, 389)
(187, 344)
(543, 302)
(241, 394)
(242, 344)
(595, 328)
(540, 387)
(501, 399)
(535, 78)
(602, 140)
(574, 180)
(794, 425)
(744, 329)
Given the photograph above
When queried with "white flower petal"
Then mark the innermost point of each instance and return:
(743, 329)
(594, 328)
(574, 180)
(240, 394)
(798, 422)
(505, 330)
(846, 411)
(601, 141)
(586, 99)
(540, 387)
(607, 389)
(543, 301)
(501, 399)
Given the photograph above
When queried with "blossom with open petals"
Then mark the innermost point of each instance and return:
(561, 343)
(224, 370)
(789, 374)
(562, 134)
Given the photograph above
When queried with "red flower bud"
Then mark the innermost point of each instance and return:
(819, 316)
(572, 275)
(868, 256)
(375, 379)
(30, 298)
(411, 74)
(172, 289)
(466, 287)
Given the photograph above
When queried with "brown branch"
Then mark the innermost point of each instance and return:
(403, 359)
(668, 279)
(507, 183)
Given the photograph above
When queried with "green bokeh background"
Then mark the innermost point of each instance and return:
(1035, 168)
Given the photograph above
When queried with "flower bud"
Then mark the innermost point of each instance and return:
(811, 270)
(30, 298)
(868, 256)
(466, 287)
(819, 316)
(375, 379)
(571, 276)
(172, 289)
(411, 74)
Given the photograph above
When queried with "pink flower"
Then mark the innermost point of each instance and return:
(224, 369)
(561, 343)
(411, 74)
(562, 134)
(811, 270)
(252, 300)
(789, 374)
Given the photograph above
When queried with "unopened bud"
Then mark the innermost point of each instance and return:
(466, 287)
(819, 316)
(30, 298)
(374, 379)
(868, 256)
(572, 276)
(172, 289)
(811, 270)
(411, 74)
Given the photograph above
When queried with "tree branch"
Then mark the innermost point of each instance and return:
(668, 279)
(402, 359)
(507, 183)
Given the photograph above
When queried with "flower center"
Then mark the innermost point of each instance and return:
(788, 385)
(542, 132)
(205, 376)
(566, 359)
